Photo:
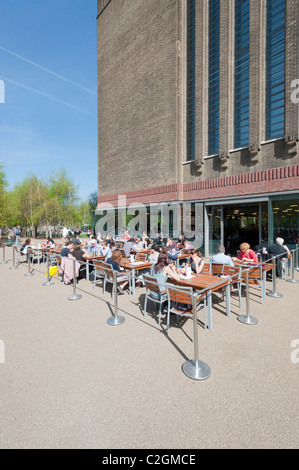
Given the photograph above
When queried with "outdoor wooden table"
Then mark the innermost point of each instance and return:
(56, 251)
(135, 266)
(204, 281)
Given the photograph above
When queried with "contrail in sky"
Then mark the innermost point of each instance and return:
(53, 98)
(48, 70)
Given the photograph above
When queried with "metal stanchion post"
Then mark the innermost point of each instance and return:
(274, 293)
(13, 258)
(74, 296)
(115, 320)
(294, 281)
(247, 319)
(3, 262)
(48, 283)
(29, 273)
(297, 258)
(195, 369)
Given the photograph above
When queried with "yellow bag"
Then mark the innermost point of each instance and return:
(52, 270)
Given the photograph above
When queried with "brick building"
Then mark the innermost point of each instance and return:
(198, 104)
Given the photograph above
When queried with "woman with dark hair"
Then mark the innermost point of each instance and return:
(24, 247)
(161, 270)
(114, 260)
(81, 256)
(50, 243)
(196, 261)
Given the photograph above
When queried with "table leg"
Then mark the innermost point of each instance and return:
(133, 281)
(209, 302)
(87, 270)
(227, 288)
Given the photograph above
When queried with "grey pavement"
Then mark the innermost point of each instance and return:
(69, 380)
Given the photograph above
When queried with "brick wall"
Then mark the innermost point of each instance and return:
(136, 94)
(261, 182)
(141, 108)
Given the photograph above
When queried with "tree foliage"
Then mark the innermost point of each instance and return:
(34, 203)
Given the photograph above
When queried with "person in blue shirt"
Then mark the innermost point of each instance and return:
(105, 250)
(221, 257)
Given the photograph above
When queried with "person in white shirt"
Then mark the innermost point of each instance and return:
(65, 232)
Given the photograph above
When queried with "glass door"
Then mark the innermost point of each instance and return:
(215, 228)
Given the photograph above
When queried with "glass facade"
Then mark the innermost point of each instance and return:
(214, 76)
(284, 222)
(241, 106)
(275, 69)
(191, 15)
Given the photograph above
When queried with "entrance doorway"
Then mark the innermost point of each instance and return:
(230, 225)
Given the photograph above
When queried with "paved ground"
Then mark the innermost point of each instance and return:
(70, 380)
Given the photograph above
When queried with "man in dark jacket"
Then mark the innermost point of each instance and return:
(281, 252)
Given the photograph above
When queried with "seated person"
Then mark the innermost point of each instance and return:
(160, 242)
(81, 256)
(24, 247)
(93, 246)
(196, 261)
(221, 257)
(114, 260)
(161, 271)
(105, 250)
(246, 254)
(66, 250)
(154, 253)
(171, 247)
(128, 246)
(50, 243)
(187, 247)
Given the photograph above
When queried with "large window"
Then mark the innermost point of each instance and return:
(214, 76)
(241, 125)
(191, 10)
(285, 219)
(275, 69)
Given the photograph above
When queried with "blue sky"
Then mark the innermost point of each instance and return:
(48, 64)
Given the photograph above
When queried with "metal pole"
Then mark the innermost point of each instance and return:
(13, 258)
(115, 320)
(247, 319)
(48, 283)
(74, 296)
(3, 262)
(274, 293)
(297, 258)
(195, 369)
(293, 268)
(29, 273)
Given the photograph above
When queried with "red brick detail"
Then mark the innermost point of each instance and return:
(260, 182)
